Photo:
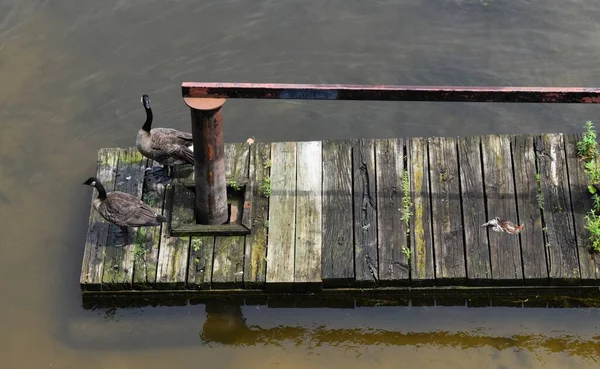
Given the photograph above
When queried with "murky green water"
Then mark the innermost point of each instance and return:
(71, 75)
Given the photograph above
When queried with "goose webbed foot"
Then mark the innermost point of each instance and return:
(125, 236)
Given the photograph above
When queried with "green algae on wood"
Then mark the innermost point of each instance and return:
(92, 266)
(228, 260)
(200, 262)
(147, 242)
(119, 258)
(422, 267)
(255, 253)
(282, 216)
(173, 253)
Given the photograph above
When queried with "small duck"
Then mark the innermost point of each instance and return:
(167, 146)
(123, 209)
(503, 225)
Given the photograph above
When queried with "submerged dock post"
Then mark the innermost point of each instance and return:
(211, 184)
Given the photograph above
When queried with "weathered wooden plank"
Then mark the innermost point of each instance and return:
(118, 259)
(421, 242)
(174, 251)
(210, 229)
(365, 213)
(97, 235)
(582, 203)
(529, 206)
(479, 271)
(447, 222)
(147, 239)
(228, 263)
(200, 262)
(337, 254)
(561, 245)
(309, 210)
(505, 249)
(282, 214)
(393, 212)
(259, 188)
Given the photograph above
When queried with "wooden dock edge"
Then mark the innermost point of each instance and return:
(520, 296)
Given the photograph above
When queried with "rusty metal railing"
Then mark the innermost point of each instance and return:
(206, 100)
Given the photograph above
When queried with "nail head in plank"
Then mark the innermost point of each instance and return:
(447, 213)
(174, 251)
(529, 205)
(118, 260)
(200, 262)
(309, 210)
(228, 262)
(422, 254)
(337, 265)
(479, 270)
(505, 249)
(393, 213)
(365, 213)
(255, 260)
(561, 245)
(282, 216)
(97, 235)
(147, 239)
(582, 203)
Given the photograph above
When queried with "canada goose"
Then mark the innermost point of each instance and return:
(123, 209)
(167, 146)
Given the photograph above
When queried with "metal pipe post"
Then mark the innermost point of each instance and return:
(209, 157)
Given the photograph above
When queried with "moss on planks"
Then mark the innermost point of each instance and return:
(255, 253)
(119, 259)
(97, 235)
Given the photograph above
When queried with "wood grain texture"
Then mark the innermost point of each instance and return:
(479, 270)
(119, 255)
(582, 203)
(309, 210)
(174, 251)
(255, 260)
(365, 213)
(97, 234)
(147, 239)
(282, 216)
(228, 263)
(505, 248)
(421, 240)
(561, 245)
(337, 255)
(200, 262)
(529, 206)
(391, 227)
(447, 213)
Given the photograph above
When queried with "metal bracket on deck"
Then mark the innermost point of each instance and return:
(181, 200)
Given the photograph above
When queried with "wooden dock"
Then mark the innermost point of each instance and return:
(349, 216)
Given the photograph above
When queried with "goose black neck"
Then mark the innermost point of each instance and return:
(101, 190)
(148, 124)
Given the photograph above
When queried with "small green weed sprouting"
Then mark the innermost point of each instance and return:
(587, 148)
(265, 189)
(406, 203)
(592, 168)
(234, 184)
(539, 196)
(196, 244)
(593, 224)
(406, 251)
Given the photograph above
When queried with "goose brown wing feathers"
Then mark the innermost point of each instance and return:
(167, 136)
(124, 209)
